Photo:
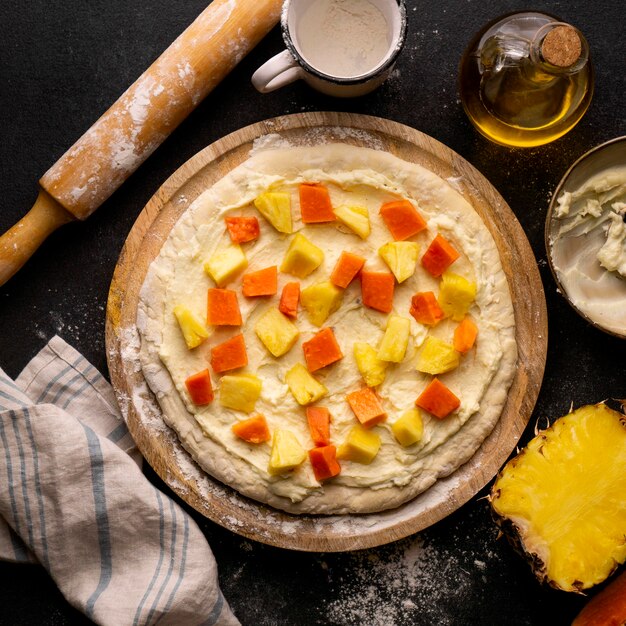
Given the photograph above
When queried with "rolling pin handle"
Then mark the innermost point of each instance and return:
(21, 241)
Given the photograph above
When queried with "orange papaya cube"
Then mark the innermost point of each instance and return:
(223, 308)
(425, 308)
(315, 204)
(321, 350)
(289, 300)
(200, 388)
(438, 400)
(465, 336)
(252, 430)
(402, 219)
(318, 418)
(260, 283)
(229, 355)
(377, 290)
(367, 407)
(347, 267)
(324, 462)
(439, 256)
(242, 229)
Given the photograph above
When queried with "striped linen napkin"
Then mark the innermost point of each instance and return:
(73, 498)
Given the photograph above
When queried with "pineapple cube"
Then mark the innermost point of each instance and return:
(240, 392)
(276, 332)
(395, 340)
(302, 257)
(304, 387)
(320, 300)
(370, 366)
(361, 446)
(456, 295)
(287, 453)
(356, 218)
(437, 357)
(401, 257)
(225, 264)
(409, 428)
(193, 328)
(275, 207)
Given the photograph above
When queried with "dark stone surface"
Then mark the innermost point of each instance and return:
(65, 61)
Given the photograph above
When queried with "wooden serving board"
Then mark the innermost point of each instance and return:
(161, 447)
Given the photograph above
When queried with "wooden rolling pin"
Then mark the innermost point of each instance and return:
(127, 134)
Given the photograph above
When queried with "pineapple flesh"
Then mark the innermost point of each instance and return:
(191, 326)
(456, 295)
(356, 218)
(275, 207)
(225, 264)
(305, 388)
(320, 301)
(563, 498)
(370, 366)
(401, 257)
(276, 332)
(302, 257)
(437, 357)
(395, 340)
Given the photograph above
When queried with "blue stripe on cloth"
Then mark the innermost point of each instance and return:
(157, 571)
(118, 433)
(65, 389)
(10, 398)
(102, 518)
(42, 517)
(181, 572)
(75, 393)
(216, 611)
(9, 466)
(155, 602)
(23, 478)
(49, 386)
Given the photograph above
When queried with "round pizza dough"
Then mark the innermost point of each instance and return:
(354, 176)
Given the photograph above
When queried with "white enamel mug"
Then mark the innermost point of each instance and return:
(291, 64)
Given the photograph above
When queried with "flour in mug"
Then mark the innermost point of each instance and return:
(343, 38)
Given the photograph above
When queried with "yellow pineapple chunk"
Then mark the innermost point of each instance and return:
(356, 218)
(370, 366)
(304, 387)
(456, 295)
(240, 392)
(302, 257)
(287, 453)
(225, 264)
(409, 428)
(437, 357)
(320, 301)
(401, 257)
(563, 498)
(275, 207)
(193, 328)
(276, 332)
(360, 446)
(395, 340)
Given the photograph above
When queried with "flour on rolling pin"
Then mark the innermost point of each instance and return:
(101, 160)
(343, 38)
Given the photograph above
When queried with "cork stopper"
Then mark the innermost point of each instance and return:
(561, 47)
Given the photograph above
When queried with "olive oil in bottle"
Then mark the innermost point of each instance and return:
(526, 79)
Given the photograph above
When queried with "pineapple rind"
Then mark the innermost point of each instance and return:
(564, 495)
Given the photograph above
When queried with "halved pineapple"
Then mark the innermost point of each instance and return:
(437, 357)
(564, 498)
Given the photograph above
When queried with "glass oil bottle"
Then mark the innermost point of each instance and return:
(526, 79)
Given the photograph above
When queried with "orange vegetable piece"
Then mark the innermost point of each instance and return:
(321, 350)
(438, 399)
(324, 462)
(223, 308)
(200, 388)
(261, 283)
(402, 219)
(377, 290)
(242, 229)
(439, 256)
(315, 205)
(367, 407)
(465, 335)
(252, 430)
(229, 355)
(608, 608)
(318, 418)
(425, 308)
(289, 300)
(347, 267)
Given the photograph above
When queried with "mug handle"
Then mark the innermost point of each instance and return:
(276, 72)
